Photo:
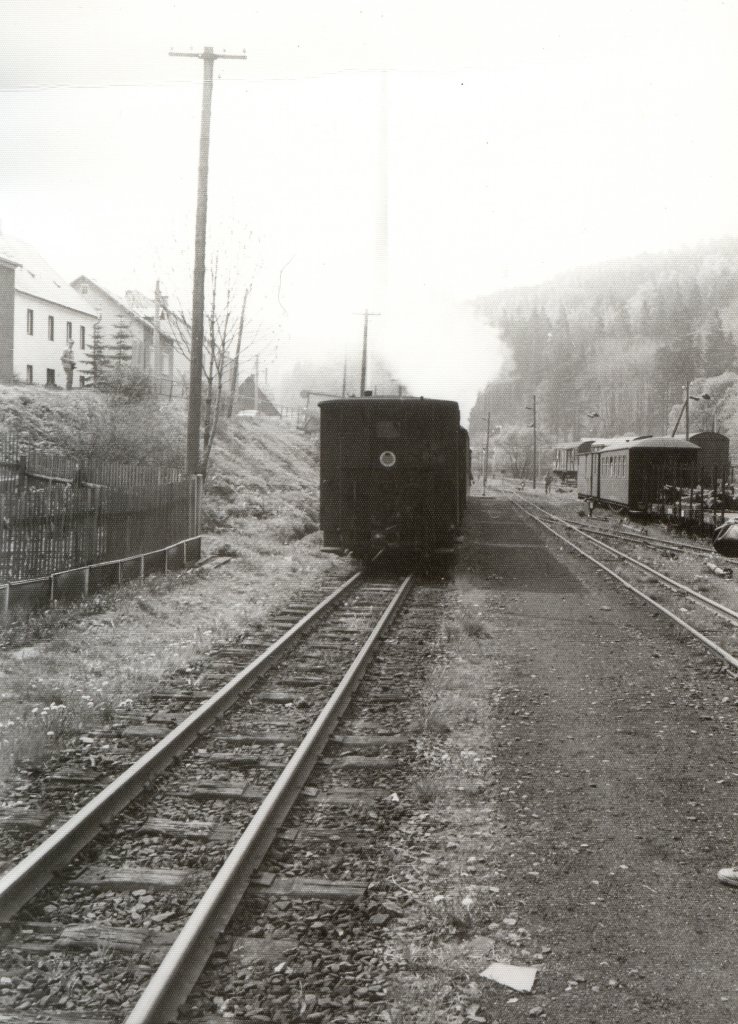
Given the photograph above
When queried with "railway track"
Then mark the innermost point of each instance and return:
(628, 534)
(727, 614)
(114, 916)
(675, 547)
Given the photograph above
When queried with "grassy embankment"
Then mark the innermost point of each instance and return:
(65, 671)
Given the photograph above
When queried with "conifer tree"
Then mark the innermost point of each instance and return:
(719, 348)
(96, 359)
(121, 348)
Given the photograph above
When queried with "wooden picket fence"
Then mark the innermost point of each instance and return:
(57, 528)
(28, 462)
(58, 513)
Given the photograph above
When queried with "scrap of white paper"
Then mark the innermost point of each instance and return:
(519, 978)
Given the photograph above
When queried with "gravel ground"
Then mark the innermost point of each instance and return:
(575, 804)
(566, 807)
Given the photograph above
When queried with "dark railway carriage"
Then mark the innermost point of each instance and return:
(391, 472)
(713, 458)
(566, 460)
(632, 473)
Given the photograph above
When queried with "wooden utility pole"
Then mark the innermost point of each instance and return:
(208, 58)
(157, 341)
(486, 459)
(683, 411)
(535, 442)
(362, 381)
(256, 384)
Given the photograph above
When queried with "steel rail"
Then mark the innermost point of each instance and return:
(669, 545)
(715, 648)
(649, 541)
(672, 545)
(721, 609)
(178, 972)
(32, 873)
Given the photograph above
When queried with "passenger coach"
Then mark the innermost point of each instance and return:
(394, 474)
(633, 472)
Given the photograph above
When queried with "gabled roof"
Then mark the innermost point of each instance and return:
(171, 324)
(246, 396)
(83, 280)
(36, 278)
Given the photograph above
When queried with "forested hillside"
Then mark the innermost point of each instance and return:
(608, 349)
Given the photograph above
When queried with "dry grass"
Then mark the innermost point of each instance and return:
(474, 626)
(261, 507)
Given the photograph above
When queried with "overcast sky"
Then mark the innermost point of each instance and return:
(402, 156)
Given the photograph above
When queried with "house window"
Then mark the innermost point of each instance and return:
(50, 378)
(69, 330)
(29, 374)
(82, 336)
(29, 321)
(51, 328)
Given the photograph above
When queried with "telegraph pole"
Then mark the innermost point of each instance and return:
(362, 382)
(535, 442)
(157, 342)
(532, 408)
(486, 459)
(208, 58)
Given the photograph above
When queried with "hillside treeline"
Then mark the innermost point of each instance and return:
(609, 351)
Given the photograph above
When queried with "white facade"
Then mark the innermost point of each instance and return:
(114, 312)
(47, 314)
(36, 354)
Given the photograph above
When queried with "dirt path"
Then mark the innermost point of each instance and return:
(584, 835)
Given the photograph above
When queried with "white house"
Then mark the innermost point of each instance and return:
(114, 312)
(47, 318)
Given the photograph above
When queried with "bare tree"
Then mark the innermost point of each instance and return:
(225, 346)
(237, 356)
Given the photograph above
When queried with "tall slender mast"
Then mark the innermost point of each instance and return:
(362, 380)
(208, 58)
(486, 459)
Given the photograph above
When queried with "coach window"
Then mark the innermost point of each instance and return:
(29, 321)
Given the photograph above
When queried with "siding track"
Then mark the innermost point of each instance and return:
(723, 611)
